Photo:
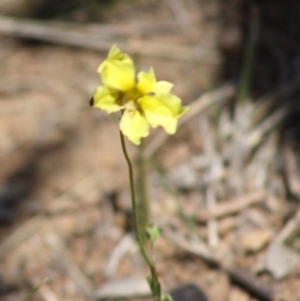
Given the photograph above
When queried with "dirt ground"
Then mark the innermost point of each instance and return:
(224, 189)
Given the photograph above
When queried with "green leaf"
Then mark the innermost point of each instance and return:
(153, 233)
(167, 297)
(33, 291)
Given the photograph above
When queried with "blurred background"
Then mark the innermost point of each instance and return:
(224, 189)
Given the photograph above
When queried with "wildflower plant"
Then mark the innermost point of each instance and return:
(143, 102)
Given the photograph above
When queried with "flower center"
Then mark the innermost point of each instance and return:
(132, 95)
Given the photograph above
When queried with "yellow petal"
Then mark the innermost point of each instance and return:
(183, 110)
(147, 83)
(134, 126)
(105, 99)
(117, 71)
(162, 87)
(162, 110)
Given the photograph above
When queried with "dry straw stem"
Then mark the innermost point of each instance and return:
(198, 106)
(211, 196)
(195, 247)
(60, 255)
(126, 242)
(86, 38)
(183, 19)
(230, 207)
(263, 107)
(245, 280)
(291, 171)
(180, 12)
(81, 190)
(290, 229)
(270, 122)
(261, 111)
(37, 289)
(278, 93)
(212, 225)
(47, 293)
(42, 229)
(20, 235)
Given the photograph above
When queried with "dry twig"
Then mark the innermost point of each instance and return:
(126, 242)
(198, 106)
(230, 207)
(74, 37)
(20, 235)
(180, 13)
(245, 280)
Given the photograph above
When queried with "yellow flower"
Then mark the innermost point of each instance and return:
(144, 103)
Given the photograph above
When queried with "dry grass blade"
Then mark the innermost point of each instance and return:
(116, 255)
(213, 233)
(245, 280)
(47, 294)
(79, 190)
(198, 106)
(292, 172)
(256, 136)
(73, 37)
(179, 11)
(34, 291)
(290, 229)
(198, 248)
(113, 30)
(265, 103)
(20, 235)
(230, 207)
(66, 263)
(209, 146)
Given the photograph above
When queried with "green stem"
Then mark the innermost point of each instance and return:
(143, 211)
(155, 285)
(33, 291)
(249, 57)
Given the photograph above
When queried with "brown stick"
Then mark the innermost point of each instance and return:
(242, 278)
(251, 284)
(84, 37)
(198, 106)
(229, 207)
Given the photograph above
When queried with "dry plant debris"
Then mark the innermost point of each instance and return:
(221, 190)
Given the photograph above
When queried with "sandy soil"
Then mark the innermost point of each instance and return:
(65, 205)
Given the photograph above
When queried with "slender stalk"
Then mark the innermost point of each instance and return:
(154, 285)
(249, 57)
(143, 210)
(34, 291)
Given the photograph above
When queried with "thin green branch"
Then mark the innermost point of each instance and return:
(249, 58)
(143, 209)
(153, 281)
